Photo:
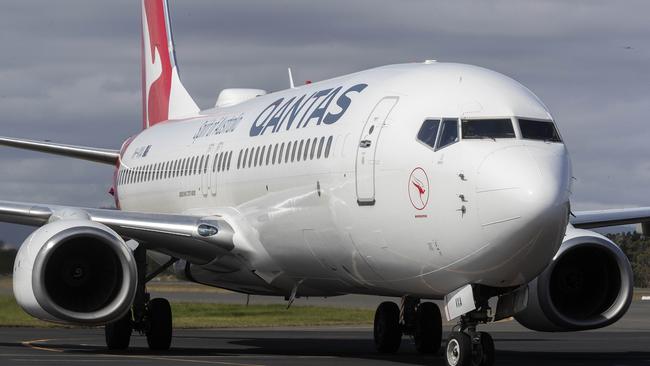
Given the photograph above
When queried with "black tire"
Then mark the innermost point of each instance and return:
(387, 332)
(487, 349)
(427, 334)
(118, 334)
(159, 332)
(459, 350)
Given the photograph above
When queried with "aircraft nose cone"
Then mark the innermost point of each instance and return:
(522, 182)
(523, 195)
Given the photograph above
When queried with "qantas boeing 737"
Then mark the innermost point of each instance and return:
(425, 181)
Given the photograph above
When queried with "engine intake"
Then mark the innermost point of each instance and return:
(75, 271)
(588, 285)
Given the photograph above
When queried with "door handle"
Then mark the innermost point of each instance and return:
(365, 143)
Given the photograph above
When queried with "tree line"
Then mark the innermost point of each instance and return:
(637, 249)
(7, 256)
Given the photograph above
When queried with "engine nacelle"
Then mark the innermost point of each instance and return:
(75, 272)
(588, 285)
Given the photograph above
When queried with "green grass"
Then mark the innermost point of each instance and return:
(190, 315)
(11, 315)
(206, 315)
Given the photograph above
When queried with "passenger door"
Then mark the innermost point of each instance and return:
(367, 149)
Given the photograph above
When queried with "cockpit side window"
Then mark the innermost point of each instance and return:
(449, 133)
(539, 130)
(488, 128)
(429, 131)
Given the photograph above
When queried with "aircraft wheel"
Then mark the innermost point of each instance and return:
(159, 332)
(459, 350)
(118, 334)
(428, 328)
(387, 332)
(487, 349)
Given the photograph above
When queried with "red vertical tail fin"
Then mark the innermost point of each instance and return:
(163, 95)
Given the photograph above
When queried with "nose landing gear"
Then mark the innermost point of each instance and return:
(468, 347)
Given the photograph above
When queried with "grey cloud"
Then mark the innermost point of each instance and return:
(70, 72)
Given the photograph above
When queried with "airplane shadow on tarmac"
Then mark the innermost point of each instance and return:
(361, 351)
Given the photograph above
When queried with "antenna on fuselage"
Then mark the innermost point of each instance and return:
(291, 84)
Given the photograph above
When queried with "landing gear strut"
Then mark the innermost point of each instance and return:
(468, 347)
(151, 317)
(422, 321)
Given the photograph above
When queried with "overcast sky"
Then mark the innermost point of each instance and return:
(70, 72)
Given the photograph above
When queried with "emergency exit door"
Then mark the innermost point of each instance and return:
(367, 150)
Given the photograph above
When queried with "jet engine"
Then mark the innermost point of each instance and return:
(75, 272)
(587, 285)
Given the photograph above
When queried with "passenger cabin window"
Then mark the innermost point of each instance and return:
(307, 144)
(488, 128)
(286, 156)
(275, 154)
(245, 158)
(313, 148)
(429, 131)
(328, 147)
(320, 146)
(539, 130)
(300, 150)
(449, 133)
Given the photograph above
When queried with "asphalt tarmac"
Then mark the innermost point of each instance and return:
(624, 343)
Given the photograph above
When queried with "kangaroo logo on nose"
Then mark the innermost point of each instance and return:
(419, 188)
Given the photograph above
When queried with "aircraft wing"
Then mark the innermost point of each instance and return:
(188, 237)
(105, 156)
(602, 218)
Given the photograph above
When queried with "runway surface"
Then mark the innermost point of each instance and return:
(625, 343)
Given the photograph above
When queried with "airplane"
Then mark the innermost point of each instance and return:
(420, 181)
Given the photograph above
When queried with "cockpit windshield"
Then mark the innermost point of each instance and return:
(500, 128)
(539, 130)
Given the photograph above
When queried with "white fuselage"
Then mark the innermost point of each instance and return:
(377, 212)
